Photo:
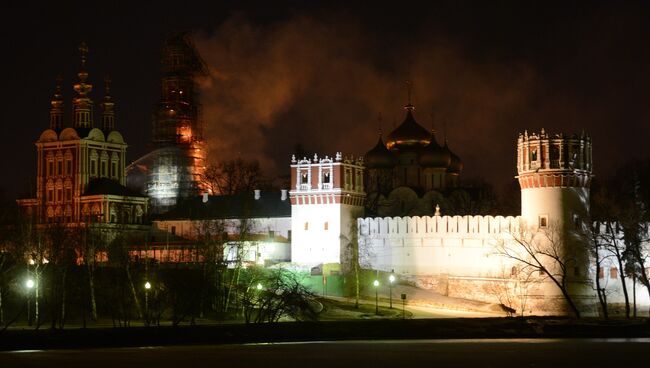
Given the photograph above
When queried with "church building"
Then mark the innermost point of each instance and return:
(80, 170)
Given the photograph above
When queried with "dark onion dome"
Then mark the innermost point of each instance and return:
(435, 156)
(409, 134)
(380, 157)
(456, 165)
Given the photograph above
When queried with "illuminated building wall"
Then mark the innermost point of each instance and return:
(327, 196)
(81, 167)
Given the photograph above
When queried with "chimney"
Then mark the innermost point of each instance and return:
(257, 194)
(284, 195)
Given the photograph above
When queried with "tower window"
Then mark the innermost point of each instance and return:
(306, 226)
(173, 230)
(613, 273)
(326, 226)
(326, 177)
(93, 167)
(103, 168)
(543, 221)
(59, 167)
(68, 167)
(303, 178)
(533, 155)
(50, 168)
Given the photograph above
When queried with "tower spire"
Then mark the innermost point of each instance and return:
(83, 105)
(56, 110)
(108, 107)
(409, 106)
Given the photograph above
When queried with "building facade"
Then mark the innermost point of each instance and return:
(81, 167)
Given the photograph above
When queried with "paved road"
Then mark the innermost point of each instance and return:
(410, 353)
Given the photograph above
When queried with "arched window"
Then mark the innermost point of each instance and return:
(306, 226)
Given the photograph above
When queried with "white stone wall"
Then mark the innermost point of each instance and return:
(311, 243)
(458, 245)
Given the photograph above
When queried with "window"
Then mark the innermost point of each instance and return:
(533, 155)
(59, 167)
(103, 169)
(68, 167)
(543, 221)
(114, 169)
(68, 194)
(173, 230)
(59, 195)
(576, 271)
(271, 234)
(93, 167)
(50, 167)
(601, 272)
(326, 226)
(326, 177)
(50, 195)
(306, 226)
(613, 273)
(514, 271)
(304, 178)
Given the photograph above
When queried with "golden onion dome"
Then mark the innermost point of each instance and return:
(435, 156)
(409, 134)
(380, 157)
(456, 165)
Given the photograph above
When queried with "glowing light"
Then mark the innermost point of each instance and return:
(259, 286)
(147, 285)
(31, 262)
(29, 283)
(391, 278)
(375, 283)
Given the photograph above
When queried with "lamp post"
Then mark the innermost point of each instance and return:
(376, 284)
(147, 286)
(391, 280)
(30, 285)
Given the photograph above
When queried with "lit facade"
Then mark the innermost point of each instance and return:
(81, 167)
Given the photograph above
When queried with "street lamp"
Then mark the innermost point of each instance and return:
(147, 286)
(391, 278)
(30, 285)
(376, 285)
(259, 286)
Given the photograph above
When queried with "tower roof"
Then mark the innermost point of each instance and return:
(380, 157)
(409, 134)
(435, 156)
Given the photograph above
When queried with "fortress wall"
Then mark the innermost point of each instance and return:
(429, 245)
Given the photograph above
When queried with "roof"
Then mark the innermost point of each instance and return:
(270, 204)
(109, 186)
(409, 134)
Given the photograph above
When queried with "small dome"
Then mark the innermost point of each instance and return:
(435, 156)
(409, 134)
(456, 165)
(380, 157)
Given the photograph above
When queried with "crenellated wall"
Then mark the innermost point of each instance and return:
(431, 245)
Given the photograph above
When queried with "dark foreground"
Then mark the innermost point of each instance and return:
(460, 328)
(391, 353)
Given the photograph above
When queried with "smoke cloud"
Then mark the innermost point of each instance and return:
(322, 83)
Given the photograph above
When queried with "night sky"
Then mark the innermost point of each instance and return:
(283, 73)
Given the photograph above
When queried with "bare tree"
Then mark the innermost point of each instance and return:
(542, 252)
(233, 177)
(268, 295)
